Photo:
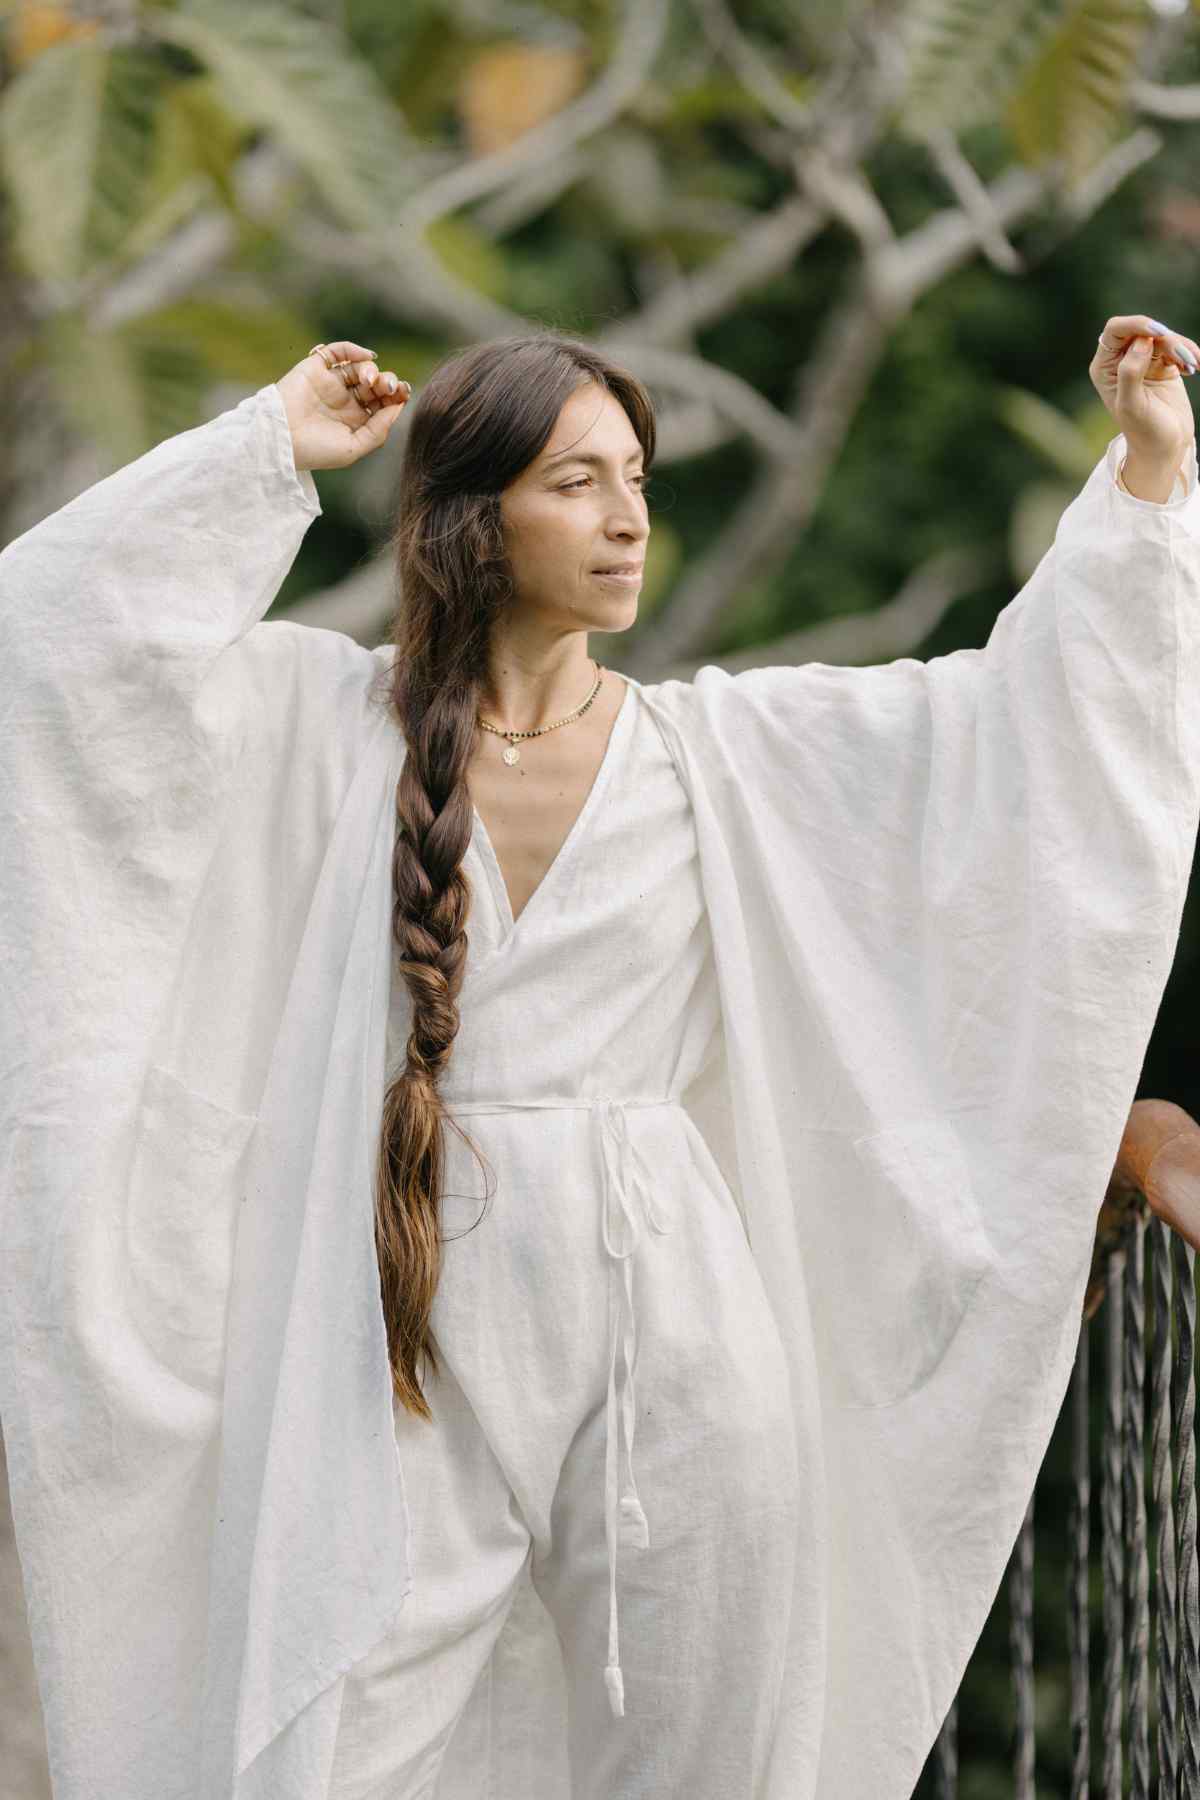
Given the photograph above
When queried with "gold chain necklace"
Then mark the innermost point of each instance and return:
(512, 754)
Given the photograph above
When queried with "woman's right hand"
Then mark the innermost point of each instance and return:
(334, 425)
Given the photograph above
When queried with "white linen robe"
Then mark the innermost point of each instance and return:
(944, 899)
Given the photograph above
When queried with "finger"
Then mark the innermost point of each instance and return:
(1120, 330)
(1133, 369)
(358, 377)
(359, 381)
(388, 384)
(373, 432)
(343, 350)
(358, 371)
(338, 359)
(1183, 347)
(1177, 341)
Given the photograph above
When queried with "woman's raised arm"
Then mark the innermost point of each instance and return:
(138, 699)
(152, 572)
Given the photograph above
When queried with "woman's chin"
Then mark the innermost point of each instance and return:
(615, 625)
(615, 616)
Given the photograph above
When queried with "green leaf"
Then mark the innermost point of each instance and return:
(1047, 430)
(77, 129)
(966, 57)
(196, 147)
(205, 134)
(1071, 106)
(120, 392)
(301, 81)
(470, 255)
(250, 345)
(384, 30)
(718, 97)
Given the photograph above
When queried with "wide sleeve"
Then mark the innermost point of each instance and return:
(962, 882)
(999, 832)
(122, 622)
(170, 764)
(119, 603)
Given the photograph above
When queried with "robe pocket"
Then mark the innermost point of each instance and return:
(182, 1215)
(913, 1249)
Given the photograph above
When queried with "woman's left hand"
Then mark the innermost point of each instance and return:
(1139, 380)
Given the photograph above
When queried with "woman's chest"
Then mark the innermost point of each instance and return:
(531, 799)
(608, 970)
(622, 890)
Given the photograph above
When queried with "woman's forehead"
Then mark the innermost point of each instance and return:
(592, 419)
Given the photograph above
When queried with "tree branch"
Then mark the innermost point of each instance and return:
(782, 498)
(700, 380)
(639, 41)
(361, 605)
(767, 247)
(752, 66)
(894, 629)
(531, 193)
(964, 183)
(186, 259)
(846, 194)
(1164, 102)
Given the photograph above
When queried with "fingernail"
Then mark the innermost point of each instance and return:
(1166, 331)
(390, 383)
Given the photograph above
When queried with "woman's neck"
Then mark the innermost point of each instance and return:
(518, 698)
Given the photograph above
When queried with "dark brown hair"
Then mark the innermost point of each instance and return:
(480, 420)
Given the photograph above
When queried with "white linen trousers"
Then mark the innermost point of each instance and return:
(613, 1422)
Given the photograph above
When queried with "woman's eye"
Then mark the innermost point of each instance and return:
(583, 480)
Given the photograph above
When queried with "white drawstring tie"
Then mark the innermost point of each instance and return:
(625, 1174)
(624, 1519)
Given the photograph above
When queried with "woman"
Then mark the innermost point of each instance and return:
(377, 1103)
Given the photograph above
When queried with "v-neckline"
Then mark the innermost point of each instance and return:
(491, 861)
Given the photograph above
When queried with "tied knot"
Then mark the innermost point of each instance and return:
(615, 1684)
(635, 1530)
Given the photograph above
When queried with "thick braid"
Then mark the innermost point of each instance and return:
(431, 901)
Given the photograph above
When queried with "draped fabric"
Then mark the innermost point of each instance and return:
(944, 898)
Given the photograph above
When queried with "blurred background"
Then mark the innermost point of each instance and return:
(861, 253)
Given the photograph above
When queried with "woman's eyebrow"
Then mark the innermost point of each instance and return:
(587, 456)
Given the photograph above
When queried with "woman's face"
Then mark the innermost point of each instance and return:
(578, 509)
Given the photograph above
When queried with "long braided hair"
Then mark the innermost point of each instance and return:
(480, 421)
